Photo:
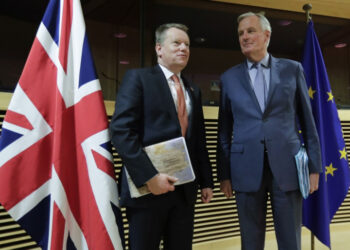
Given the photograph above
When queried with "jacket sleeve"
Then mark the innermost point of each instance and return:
(125, 128)
(307, 123)
(224, 135)
(205, 171)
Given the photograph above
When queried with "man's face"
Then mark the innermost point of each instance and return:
(174, 52)
(252, 38)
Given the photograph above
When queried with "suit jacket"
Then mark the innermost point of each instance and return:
(245, 132)
(145, 114)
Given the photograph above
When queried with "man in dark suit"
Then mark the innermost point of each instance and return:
(153, 106)
(259, 136)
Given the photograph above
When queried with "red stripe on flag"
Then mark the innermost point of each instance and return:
(17, 119)
(58, 224)
(70, 165)
(39, 82)
(104, 164)
(91, 106)
(66, 26)
(26, 172)
(32, 168)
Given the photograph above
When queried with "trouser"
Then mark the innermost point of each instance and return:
(286, 209)
(172, 222)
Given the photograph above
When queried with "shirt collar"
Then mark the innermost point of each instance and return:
(264, 62)
(168, 73)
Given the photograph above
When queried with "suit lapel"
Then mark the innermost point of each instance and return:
(164, 91)
(274, 79)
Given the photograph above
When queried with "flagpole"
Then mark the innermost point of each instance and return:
(307, 7)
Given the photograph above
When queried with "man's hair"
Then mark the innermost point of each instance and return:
(162, 29)
(264, 23)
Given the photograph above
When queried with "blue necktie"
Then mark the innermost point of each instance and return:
(260, 87)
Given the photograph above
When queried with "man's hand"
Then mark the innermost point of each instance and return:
(226, 188)
(207, 194)
(161, 184)
(314, 177)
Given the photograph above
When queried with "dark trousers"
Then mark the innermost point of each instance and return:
(172, 222)
(287, 214)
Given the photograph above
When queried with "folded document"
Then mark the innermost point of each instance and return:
(169, 157)
(301, 160)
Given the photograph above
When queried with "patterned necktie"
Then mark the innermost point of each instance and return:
(260, 87)
(181, 105)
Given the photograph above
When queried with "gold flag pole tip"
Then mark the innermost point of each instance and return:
(307, 7)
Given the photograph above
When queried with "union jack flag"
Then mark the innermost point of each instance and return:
(56, 171)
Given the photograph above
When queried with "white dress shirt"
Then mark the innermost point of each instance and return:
(168, 74)
(266, 70)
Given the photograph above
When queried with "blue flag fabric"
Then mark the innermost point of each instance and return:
(320, 207)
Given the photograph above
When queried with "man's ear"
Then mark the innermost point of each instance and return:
(267, 35)
(158, 49)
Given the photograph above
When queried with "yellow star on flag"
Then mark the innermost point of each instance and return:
(330, 170)
(342, 153)
(311, 92)
(330, 96)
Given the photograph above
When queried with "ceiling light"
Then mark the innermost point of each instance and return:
(200, 39)
(284, 22)
(340, 45)
(120, 35)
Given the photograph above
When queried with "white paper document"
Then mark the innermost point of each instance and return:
(169, 157)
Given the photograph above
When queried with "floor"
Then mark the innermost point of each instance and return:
(340, 240)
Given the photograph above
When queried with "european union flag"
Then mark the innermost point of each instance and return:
(320, 207)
